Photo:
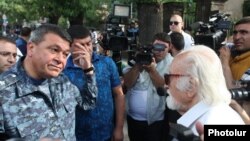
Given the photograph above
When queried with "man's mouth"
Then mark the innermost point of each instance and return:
(53, 67)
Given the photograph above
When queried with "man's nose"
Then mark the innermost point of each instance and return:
(12, 58)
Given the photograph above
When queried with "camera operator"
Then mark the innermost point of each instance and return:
(145, 108)
(236, 63)
(235, 60)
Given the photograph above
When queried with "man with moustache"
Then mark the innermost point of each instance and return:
(198, 92)
(36, 99)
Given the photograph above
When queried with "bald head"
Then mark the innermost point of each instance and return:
(176, 23)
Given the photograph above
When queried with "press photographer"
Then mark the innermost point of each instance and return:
(146, 108)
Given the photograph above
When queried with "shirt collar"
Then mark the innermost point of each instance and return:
(193, 114)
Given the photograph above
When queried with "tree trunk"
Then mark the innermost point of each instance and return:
(53, 19)
(203, 8)
(150, 16)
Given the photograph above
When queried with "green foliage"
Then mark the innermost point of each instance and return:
(63, 22)
(18, 10)
(152, 1)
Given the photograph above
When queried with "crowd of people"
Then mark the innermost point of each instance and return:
(61, 89)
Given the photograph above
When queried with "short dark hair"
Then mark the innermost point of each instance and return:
(244, 20)
(163, 36)
(177, 40)
(25, 31)
(7, 39)
(38, 34)
(79, 32)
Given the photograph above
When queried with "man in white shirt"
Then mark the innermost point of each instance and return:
(198, 92)
(145, 108)
(176, 24)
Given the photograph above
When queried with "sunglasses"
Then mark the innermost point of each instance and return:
(167, 77)
(174, 22)
(158, 47)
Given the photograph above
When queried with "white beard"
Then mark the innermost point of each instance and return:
(172, 103)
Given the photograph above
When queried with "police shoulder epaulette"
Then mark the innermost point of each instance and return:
(7, 80)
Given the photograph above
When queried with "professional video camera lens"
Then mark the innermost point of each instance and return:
(242, 93)
(145, 56)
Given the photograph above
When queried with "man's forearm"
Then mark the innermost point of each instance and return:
(131, 76)
(157, 80)
(119, 107)
(90, 93)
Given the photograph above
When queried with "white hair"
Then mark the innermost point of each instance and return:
(204, 66)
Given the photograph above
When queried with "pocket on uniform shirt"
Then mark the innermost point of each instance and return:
(31, 127)
(28, 115)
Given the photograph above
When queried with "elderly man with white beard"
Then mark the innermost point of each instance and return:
(197, 89)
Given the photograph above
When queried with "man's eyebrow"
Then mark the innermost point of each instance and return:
(241, 30)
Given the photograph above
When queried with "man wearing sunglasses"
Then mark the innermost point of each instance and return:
(176, 24)
(198, 92)
(145, 108)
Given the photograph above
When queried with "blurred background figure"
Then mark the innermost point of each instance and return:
(8, 53)
(132, 32)
(176, 24)
(177, 42)
(22, 40)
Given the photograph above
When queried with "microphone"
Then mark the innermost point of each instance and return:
(161, 91)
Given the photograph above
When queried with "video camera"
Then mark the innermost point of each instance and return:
(212, 34)
(114, 38)
(242, 93)
(145, 54)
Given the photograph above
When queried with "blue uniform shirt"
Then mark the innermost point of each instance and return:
(96, 124)
(32, 111)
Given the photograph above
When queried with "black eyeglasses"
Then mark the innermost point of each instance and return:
(167, 77)
(174, 22)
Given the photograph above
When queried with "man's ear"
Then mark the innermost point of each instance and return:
(192, 89)
(170, 46)
(30, 48)
(182, 27)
